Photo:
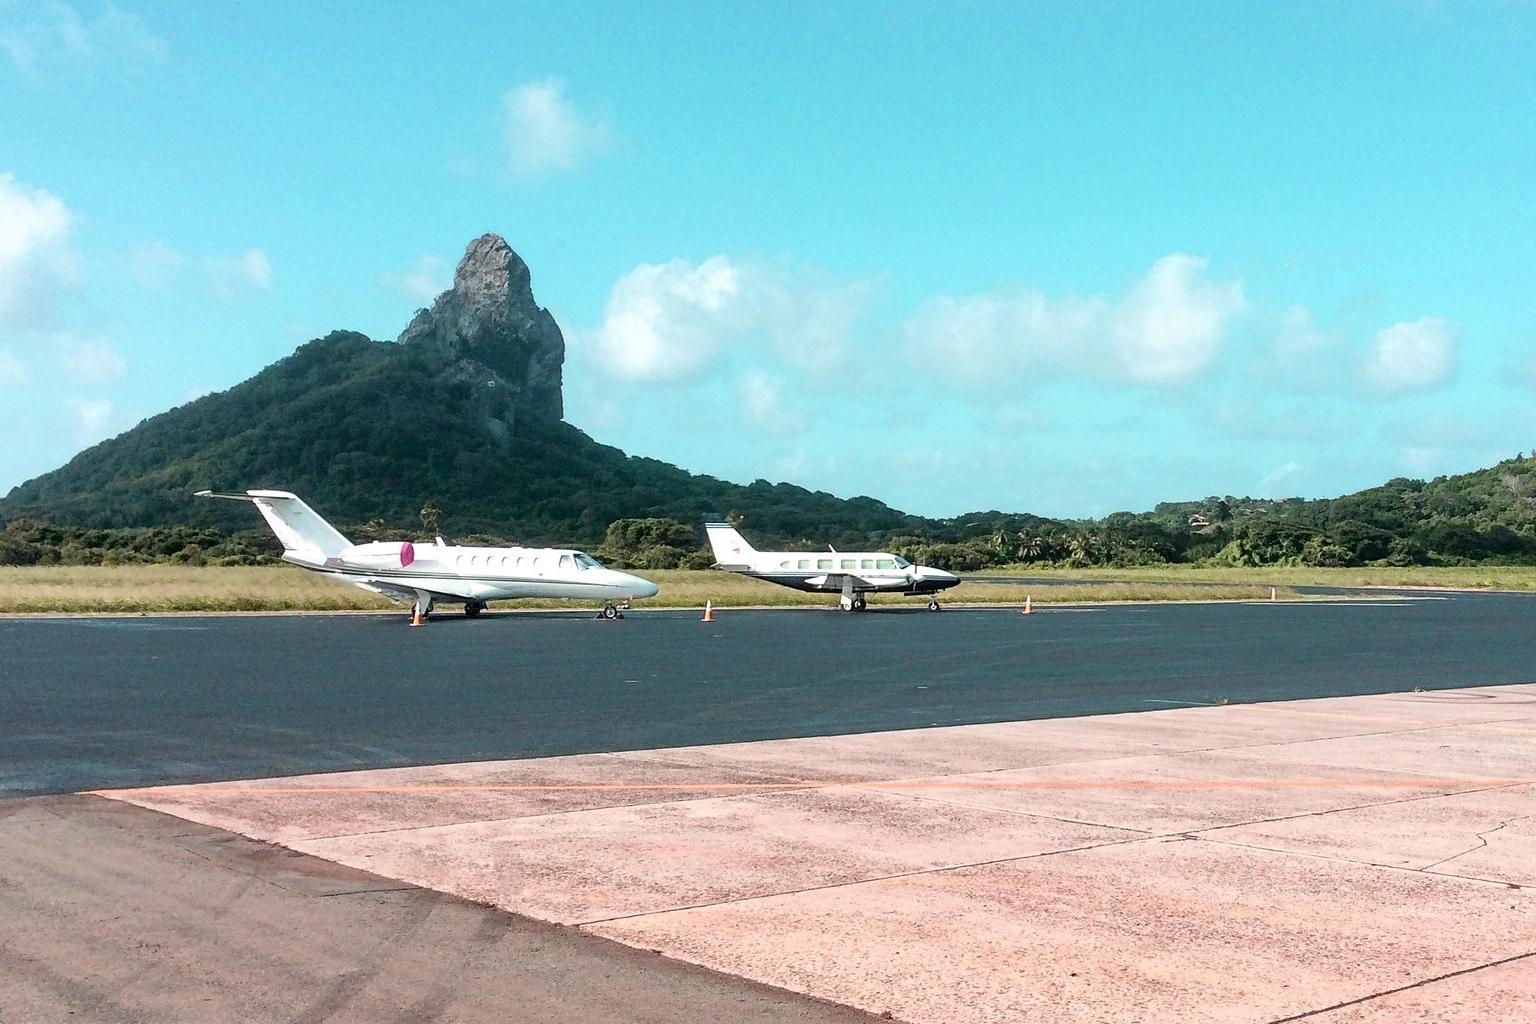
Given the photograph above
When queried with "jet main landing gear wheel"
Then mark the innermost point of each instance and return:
(473, 608)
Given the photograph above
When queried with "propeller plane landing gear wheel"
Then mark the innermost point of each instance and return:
(473, 608)
(859, 604)
(933, 605)
(610, 612)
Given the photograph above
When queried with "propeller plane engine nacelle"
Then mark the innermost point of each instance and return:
(383, 554)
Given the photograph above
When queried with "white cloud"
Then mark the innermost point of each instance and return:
(13, 372)
(90, 418)
(664, 321)
(1412, 356)
(39, 37)
(545, 132)
(154, 264)
(763, 408)
(1166, 330)
(421, 283)
(36, 259)
(668, 321)
(1280, 477)
(247, 271)
(93, 362)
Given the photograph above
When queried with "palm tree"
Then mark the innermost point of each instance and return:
(432, 517)
(1000, 543)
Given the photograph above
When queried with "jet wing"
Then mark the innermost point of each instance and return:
(399, 592)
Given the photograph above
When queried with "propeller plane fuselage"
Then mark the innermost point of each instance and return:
(849, 574)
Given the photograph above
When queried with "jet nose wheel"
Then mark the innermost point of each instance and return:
(933, 605)
(610, 612)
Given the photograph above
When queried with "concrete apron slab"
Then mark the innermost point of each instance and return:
(1349, 859)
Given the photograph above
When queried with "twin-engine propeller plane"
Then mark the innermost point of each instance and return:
(428, 574)
(850, 574)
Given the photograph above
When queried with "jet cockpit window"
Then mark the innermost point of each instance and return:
(585, 561)
(902, 563)
(565, 561)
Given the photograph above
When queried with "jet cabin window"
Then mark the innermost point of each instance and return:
(805, 563)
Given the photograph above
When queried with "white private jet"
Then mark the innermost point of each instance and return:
(438, 572)
(851, 574)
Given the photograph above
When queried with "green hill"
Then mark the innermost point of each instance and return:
(464, 411)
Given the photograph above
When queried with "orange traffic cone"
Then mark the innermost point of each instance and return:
(417, 618)
(709, 612)
(1029, 609)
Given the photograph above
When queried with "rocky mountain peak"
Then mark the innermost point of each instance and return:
(489, 320)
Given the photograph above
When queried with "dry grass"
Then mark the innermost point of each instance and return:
(173, 588)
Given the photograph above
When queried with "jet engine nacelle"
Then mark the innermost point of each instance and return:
(383, 554)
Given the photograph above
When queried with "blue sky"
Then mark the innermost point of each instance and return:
(1062, 258)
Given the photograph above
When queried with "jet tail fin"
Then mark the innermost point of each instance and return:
(300, 528)
(730, 547)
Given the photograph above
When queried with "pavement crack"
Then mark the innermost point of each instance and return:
(942, 869)
(1402, 988)
(1199, 832)
(1482, 843)
(1334, 859)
